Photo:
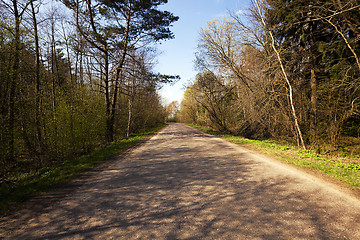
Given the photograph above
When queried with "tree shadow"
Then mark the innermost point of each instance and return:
(185, 190)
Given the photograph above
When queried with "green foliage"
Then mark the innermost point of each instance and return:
(350, 167)
(309, 154)
(49, 177)
(209, 99)
(54, 110)
(319, 62)
(56, 107)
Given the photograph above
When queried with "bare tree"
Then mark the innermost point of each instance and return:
(290, 88)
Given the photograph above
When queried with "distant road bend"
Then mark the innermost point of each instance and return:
(185, 184)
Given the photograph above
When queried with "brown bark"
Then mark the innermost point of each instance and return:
(111, 117)
(13, 80)
(313, 100)
(101, 45)
(37, 84)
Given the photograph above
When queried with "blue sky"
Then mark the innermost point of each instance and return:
(177, 55)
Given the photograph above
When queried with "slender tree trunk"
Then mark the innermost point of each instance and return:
(313, 100)
(291, 98)
(118, 75)
(81, 68)
(54, 73)
(38, 85)
(109, 125)
(130, 102)
(77, 53)
(13, 81)
(73, 84)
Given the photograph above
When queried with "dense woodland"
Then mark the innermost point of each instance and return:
(76, 75)
(284, 69)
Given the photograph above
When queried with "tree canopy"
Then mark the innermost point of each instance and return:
(72, 83)
(293, 68)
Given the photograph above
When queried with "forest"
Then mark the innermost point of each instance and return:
(284, 69)
(76, 75)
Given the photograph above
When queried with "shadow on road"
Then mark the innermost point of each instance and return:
(185, 185)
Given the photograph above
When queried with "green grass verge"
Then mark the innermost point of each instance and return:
(50, 177)
(343, 168)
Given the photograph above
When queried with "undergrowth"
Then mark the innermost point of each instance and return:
(49, 177)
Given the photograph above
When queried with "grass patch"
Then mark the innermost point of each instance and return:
(344, 167)
(49, 177)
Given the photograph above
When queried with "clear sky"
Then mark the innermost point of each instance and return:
(177, 55)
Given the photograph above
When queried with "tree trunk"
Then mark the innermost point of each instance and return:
(73, 84)
(313, 110)
(111, 117)
(109, 135)
(54, 73)
(38, 85)
(13, 80)
(130, 102)
(291, 98)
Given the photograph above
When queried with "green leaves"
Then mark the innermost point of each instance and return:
(49, 177)
(146, 19)
(350, 167)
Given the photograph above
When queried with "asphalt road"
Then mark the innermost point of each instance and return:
(184, 184)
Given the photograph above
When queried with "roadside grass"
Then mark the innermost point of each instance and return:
(47, 178)
(338, 164)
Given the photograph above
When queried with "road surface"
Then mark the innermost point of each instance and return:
(185, 184)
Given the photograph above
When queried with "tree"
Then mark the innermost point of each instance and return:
(17, 9)
(220, 45)
(137, 80)
(125, 26)
(316, 40)
(214, 96)
(171, 111)
(53, 77)
(189, 107)
(236, 53)
(285, 75)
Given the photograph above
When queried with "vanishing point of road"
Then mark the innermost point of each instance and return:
(185, 184)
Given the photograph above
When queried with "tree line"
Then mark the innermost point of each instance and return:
(285, 69)
(75, 75)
